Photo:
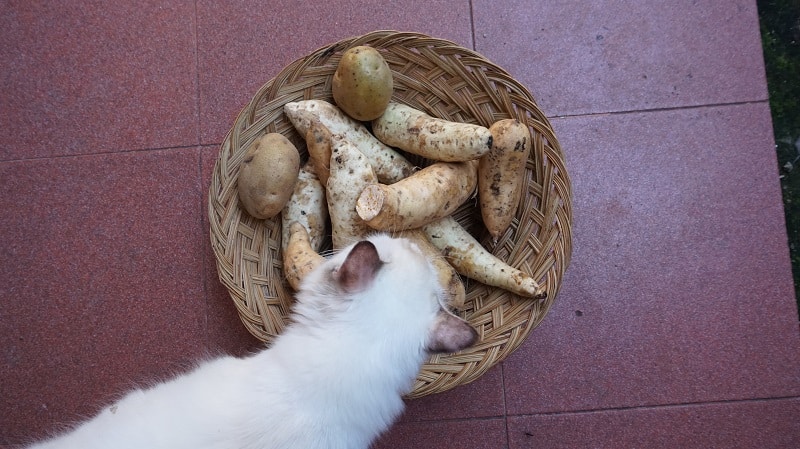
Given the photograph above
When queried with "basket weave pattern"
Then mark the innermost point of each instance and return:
(446, 81)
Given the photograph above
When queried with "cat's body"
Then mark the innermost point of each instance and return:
(364, 323)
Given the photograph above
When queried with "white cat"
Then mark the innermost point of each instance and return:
(363, 324)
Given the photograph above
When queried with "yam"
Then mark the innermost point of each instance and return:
(416, 132)
(500, 174)
(350, 174)
(474, 261)
(389, 165)
(318, 144)
(299, 257)
(307, 206)
(451, 282)
(432, 193)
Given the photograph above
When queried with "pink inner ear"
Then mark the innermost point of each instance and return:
(359, 268)
(451, 334)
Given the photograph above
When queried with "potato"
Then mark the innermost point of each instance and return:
(362, 84)
(500, 174)
(267, 175)
(416, 132)
(432, 193)
(389, 165)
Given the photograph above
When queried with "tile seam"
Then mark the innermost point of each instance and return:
(659, 406)
(505, 403)
(197, 123)
(198, 140)
(472, 23)
(105, 153)
(461, 419)
(662, 109)
(549, 117)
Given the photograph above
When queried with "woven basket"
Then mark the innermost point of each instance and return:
(446, 81)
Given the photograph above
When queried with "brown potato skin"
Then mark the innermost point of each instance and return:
(267, 176)
(362, 84)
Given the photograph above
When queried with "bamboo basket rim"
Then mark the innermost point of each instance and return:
(447, 81)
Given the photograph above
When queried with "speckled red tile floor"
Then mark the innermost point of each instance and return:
(676, 325)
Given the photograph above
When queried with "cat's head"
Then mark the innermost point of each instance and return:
(392, 287)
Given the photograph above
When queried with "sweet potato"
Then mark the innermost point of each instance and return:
(307, 206)
(448, 277)
(474, 261)
(299, 258)
(350, 174)
(428, 195)
(414, 131)
(389, 165)
(500, 174)
(318, 144)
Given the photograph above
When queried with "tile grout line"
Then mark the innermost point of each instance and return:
(199, 150)
(505, 403)
(198, 139)
(662, 406)
(602, 410)
(104, 153)
(549, 117)
(662, 109)
(201, 246)
(472, 23)
(446, 420)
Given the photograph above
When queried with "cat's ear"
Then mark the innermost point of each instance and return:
(359, 268)
(450, 334)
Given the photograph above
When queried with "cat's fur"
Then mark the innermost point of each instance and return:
(363, 324)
